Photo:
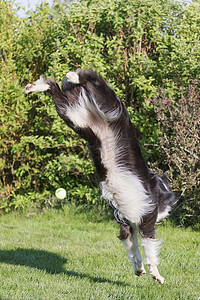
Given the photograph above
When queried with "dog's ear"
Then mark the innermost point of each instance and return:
(165, 176)
(177, 194)
(89, 76)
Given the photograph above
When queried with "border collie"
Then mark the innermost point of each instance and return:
(138, 197)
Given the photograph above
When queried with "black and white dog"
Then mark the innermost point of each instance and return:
(138, 196)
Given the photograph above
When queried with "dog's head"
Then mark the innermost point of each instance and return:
(90, 88)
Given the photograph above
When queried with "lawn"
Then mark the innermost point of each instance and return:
(62, 254)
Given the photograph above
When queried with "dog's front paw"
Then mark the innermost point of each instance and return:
(28, 88)
(73, 77)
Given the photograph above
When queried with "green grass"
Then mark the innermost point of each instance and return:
(65, 255)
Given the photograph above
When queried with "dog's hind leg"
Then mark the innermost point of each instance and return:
(150, 244)
(128, 235)
(151, 248)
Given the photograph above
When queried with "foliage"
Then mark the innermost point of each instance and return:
(137, 46)
(179, 123)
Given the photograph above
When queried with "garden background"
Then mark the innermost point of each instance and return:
(148, 51)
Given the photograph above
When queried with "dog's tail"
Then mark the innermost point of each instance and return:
(166, 198)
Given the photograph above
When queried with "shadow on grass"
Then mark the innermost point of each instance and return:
(47, 261)
(43, 260)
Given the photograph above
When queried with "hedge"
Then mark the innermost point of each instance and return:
(147, 51)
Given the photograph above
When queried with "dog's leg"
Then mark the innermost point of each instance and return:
(73, 77)
(151, 248)
(40, 85)
(128, 236)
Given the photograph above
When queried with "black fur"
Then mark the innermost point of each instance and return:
(125, 232)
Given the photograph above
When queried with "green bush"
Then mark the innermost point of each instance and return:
(136, 46)
(179, 123)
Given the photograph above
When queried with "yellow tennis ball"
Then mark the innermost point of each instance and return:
(60, 193)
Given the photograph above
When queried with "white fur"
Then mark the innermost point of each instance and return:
(151, 248)
(127, 192)
(163, 214)
(38, 86)
(134, 257)
(79, 115)
(73, 77)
